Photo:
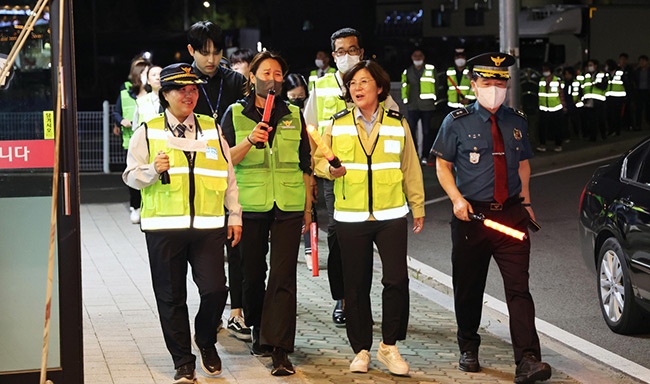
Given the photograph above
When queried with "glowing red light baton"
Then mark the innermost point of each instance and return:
(266, 116)
(327, 151)
(313, 233)
(498, 227)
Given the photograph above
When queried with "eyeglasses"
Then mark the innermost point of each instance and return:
(359, 84)
(352, 51)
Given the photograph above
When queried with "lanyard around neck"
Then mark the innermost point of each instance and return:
(215, 109)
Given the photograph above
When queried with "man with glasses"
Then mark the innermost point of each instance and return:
(325, 99)
(223, 87)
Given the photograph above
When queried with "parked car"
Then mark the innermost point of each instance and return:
(614, 229)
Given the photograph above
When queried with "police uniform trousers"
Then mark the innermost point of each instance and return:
(356, 241)
(170, 251)
(271, 309)
(473, 247)
(334, 263)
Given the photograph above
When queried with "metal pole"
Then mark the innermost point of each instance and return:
(509, 43)
(106, 133)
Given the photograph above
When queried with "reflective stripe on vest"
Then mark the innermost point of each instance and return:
(427, 84)
(465, 88)
(590, 91)
(375, 179)
(168, 206)
(328, 99)
(616, 87)
(549, 95)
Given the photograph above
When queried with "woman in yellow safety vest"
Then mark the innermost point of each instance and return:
(273, 167)
(379, 178)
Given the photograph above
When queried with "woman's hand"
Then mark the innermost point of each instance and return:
(338, 172)
(126, 123)
(418, 224)
(234, 234)
(161, 162)
(260, 133)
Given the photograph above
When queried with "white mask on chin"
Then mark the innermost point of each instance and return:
(418, 63)
(344, 63)
(490, 97)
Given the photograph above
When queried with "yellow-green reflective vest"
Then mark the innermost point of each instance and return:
(589, 88)
(270, 175)
(328, 99)
(128, 109)
(453, 88)
(373, 183)
(427, 84)
(168, 206)
(313, 76)
(615, 87)
(549, 95)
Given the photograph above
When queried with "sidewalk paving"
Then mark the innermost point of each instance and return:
(123, 342)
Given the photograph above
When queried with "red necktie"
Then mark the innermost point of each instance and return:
(500, 170)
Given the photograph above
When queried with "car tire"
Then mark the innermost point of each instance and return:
(617, 304)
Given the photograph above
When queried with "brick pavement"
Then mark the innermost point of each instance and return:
(123, 342)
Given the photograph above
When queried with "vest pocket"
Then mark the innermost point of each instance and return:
(253, 194)
(288, 147)
(345, 148)
(292, 196)
(387, 188)
(212, 196)
(169, 199)
(351, 191)
(254, 158)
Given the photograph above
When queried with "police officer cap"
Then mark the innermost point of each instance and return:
(492, 65)
(179, 74)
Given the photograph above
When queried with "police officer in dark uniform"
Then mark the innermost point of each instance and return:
(487, 146)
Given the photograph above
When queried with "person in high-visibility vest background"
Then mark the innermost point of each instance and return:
(459, 89)
(551, 105)
(419, 97)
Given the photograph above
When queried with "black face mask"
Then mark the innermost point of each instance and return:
(298, 102)
(262, 87)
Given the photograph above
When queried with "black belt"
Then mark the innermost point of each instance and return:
(494, 206)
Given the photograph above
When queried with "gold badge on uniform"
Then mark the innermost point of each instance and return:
(474, 157)
(517, 134)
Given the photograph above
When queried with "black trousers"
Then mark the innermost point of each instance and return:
(357, 239)
(235, 275)
(614, 107)
(413, 116)
(595, 120)
(169, 254)
(135, 198)
(271, 309)
(551, 124)
(334, 263)
(473, 247)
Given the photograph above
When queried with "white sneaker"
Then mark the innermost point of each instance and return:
(361, 362)
(541, 148)
(135, 215)
(390, 356)
(308, 261)
(558, 148)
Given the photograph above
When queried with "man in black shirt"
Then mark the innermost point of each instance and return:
(224, 86)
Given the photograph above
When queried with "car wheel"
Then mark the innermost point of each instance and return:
(617, 304)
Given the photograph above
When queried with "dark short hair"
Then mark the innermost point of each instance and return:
(255, 64)
(243, 55)
(346, 32)
(624, 54)
(376, 71)
(163, 102)
(643, 57)
(294, 80)
(570, 70)
(202, 31)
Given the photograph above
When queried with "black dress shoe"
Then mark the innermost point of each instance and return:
(468, 362)
(530, 369)
(210, 360)
(338, 316)
(281, 364)
(256, 348)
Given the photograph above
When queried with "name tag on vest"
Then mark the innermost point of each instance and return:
(391, 146)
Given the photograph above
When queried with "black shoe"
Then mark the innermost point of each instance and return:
(210, 361)
(338, 316)
(468, 362)
(185, 374)
(281, 364)
(530, 369)
(256, 348)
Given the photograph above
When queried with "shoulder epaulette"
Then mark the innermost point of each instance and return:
(394, 114)
(340, 114)
(460, 113)
(520, 113)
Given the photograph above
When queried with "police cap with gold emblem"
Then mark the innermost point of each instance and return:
(491, 65)
(179, 74)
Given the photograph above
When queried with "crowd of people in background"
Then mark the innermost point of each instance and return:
(232, 132)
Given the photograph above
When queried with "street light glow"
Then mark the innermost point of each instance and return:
(206, 4)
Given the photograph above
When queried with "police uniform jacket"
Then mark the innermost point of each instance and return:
(465, 139)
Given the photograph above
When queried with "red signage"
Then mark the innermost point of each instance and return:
(26, 154)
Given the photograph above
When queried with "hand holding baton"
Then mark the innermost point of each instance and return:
(164, 176)
(327, 151)
(499, 227)
(266, 116)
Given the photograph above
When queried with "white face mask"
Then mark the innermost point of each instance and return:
(143, 77)
(344, 63)
(546, 73)
(418, 63)
(490, 97)
(460, 62)
(319, 63)
(591, 68)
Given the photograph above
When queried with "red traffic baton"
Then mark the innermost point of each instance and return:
(313, 235)
(499, 227)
